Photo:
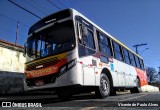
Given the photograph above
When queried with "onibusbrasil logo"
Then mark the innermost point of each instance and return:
(14, 104)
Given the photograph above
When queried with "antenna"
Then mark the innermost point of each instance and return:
(17, 33)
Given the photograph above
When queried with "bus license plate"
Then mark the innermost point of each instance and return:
(39, 82)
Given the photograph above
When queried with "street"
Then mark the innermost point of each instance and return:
(123, 100)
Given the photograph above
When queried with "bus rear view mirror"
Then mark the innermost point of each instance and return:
(79, 31)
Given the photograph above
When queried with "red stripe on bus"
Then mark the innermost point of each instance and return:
(142, 76)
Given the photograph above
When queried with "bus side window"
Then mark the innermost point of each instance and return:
(117, 51)
(79, 33)
(132, 59)
(126, 56)
(104, 44)
(86, 41)
(137, 62)
(89, 40)
(141, 63)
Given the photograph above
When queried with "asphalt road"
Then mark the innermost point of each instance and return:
(121, 101)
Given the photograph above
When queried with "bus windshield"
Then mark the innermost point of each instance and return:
(53, 40)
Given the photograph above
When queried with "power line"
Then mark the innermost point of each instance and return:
(138, 45)
(143, 51)
(64, 4)
(84, 12)
(36, 7)
(70, 5)
(54, 5)
(81, 10)
(24, 9)
(47, 10)
(12, 19)
(67, 3)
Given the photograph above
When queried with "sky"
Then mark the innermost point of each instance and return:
(130, 21)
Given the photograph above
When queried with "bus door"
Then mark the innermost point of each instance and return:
(120, 65)
(86, 51)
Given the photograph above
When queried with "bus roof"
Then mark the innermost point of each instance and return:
(76, 12)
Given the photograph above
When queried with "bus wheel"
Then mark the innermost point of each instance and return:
(104, 89)
(138, 88)
(64, 94)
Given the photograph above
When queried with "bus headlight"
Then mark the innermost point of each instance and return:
(71, 63)
(67, 66)
(63, 69)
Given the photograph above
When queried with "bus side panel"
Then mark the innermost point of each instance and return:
(74, 75)
(114, 72)
(126, 74)
(98, 73)
(88, 71)
(142, 76)
(133, 76)
(99, 70)
(111, 67)
(69, 78)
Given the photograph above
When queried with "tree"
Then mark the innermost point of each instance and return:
(152, 74)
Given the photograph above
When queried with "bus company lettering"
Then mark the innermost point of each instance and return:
(42, 72)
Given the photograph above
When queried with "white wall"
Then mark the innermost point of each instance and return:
(149, 88)
(11, 60)
(11, 71)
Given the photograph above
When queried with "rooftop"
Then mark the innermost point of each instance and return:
(11, 46)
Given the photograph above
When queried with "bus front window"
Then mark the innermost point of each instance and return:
(53, 40)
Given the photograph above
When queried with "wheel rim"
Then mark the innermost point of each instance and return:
(104, 86)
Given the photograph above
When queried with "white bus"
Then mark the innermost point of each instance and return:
(67, 52)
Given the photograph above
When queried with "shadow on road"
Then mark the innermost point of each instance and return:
(47, 98)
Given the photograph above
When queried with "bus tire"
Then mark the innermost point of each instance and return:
(103, 90)
(138, 88)
(64, 94)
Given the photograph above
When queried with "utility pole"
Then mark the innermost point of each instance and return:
(17, 33)
(137, 45)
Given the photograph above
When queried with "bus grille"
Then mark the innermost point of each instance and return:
(45, 62)
(46, 79)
